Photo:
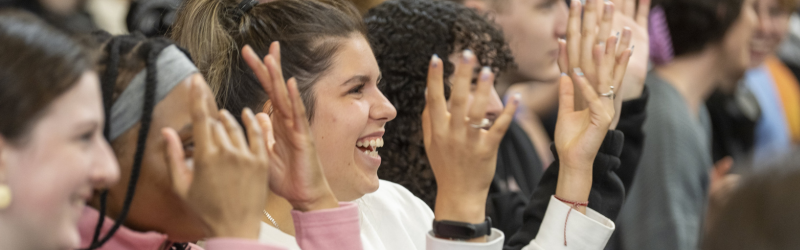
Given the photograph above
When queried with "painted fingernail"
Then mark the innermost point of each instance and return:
(578, 71)
(435, 61)
(517, 97)
(485, 71)
(617, 34)
(426, 91)
(632, 47)
(563, 74)
(562, 40)
(467, 55)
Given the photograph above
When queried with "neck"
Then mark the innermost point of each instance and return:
(281, 211)
(694, 76)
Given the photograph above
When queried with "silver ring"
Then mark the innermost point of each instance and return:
(609, 94)
(484, 123)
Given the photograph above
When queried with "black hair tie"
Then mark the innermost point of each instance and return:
(243, 7)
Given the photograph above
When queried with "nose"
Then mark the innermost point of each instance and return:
(561, 17)
(495, 106)
(381, 109)
(105, 168)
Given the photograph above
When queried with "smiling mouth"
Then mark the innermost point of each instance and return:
(370, 146)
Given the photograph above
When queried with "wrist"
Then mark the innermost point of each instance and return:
(574, 184)
(468, 208)
(324, 201)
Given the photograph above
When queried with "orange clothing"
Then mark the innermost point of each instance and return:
(789, 91)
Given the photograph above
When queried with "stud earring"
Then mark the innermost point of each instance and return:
(5, 196)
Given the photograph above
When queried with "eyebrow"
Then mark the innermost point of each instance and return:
(360, 79)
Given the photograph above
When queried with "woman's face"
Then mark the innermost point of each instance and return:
(156, 206)
(350, 111)
(54, 169)
(773, 25)
(532, 29)
(736, 43)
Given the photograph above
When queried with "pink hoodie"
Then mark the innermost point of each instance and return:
(333, 229)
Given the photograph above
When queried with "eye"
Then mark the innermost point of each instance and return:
(188, 149)
(357, 89)
(547, 4)
(87, 137)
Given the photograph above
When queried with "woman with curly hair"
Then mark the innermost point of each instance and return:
(402, 32)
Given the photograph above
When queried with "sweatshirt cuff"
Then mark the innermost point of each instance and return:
(589, 231)
(321, 229)
(239, 244)
(612, 144)
(493, 242)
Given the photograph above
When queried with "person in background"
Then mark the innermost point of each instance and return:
(67, 15)
(774, 85)
(52, 151)
(700, 44)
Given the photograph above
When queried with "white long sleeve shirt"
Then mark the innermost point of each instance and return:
(394, 219)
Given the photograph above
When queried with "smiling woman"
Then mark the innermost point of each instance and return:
(52, 150)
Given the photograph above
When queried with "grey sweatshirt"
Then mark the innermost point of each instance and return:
(665, 206)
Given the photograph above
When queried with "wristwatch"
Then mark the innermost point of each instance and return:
(460, 230)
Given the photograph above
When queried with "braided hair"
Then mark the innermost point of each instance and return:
(404, 34)
(114, 49)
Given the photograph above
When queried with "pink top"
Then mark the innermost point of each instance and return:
(336, 228)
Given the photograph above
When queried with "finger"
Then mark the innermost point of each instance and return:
(643, 13)
(607, 64)
(625, 40)
(477, 112)
(201, 120)
(221, 136)
(574, 34)
(462, 79)
(588, 34)
(280, 96)
(619, 4)
(563, 58)
(598, 109)
(266, 126)
(587, 90)
(605, 23)
(435, 102)
(630, 9)
(259, 69)
(233, 129)
(179, 172)
(566, 95)
(300, 118)
(500, 126)
(621, 67)
(255, 135)
(426, 126)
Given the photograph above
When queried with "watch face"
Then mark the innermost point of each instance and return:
(456, 231)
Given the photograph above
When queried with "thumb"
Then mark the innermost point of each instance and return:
(266, 126)
(180, 172)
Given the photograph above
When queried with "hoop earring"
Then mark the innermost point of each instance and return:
(5, 196)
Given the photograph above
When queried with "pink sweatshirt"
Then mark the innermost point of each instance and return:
(333, 229)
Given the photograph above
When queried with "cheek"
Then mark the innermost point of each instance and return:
(336, 127)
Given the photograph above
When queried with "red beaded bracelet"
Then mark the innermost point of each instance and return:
(574, 205)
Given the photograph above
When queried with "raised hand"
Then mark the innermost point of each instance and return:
(590, 47)
(227, 182)
(295, 172)
(578, 136)
(634, 15)
(462, 154)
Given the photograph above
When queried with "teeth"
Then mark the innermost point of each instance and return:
(376, 143)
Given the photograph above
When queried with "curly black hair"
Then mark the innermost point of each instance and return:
(404, 34)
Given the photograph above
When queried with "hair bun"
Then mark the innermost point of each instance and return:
(661, 51)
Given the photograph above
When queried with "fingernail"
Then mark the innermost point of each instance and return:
(607, 7)
(467, 55)
(426, 91)
(617, 34)
(435, 61)
(563, 74)
(562, 40)
(578, 71)
(632, 47)
(485, 71)
(517, 97)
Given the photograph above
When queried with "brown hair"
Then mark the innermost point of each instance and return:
(37, 65)
(310, 33)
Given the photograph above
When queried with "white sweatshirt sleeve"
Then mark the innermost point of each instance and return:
(589, 231)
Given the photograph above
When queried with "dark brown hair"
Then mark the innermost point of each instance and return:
(694, 24)
(310, 33)
(37, 65)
